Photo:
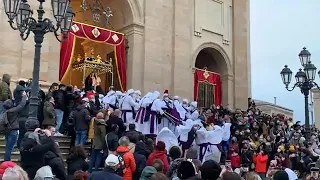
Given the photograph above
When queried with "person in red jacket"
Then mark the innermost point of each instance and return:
(159, 153)
(128, 157)
(235, 160)
(261, 161)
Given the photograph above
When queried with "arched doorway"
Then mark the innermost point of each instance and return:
(210, 65)
(94, 13)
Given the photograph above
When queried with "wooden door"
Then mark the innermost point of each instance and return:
(205, 94)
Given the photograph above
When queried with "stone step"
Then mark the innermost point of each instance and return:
(16, 155)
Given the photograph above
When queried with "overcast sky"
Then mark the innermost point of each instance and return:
(279, 30)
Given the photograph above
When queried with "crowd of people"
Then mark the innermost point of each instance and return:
(118, 135)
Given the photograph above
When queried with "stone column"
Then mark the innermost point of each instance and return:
(241, 54)
(316, 106)
(135, 59)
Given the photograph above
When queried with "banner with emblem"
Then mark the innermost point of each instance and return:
(203, 75)
(96, 34)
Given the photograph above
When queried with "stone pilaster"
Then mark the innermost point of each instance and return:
(182, 45)
(227, 91)
(135, 58)
(316, 106)
(241, 54)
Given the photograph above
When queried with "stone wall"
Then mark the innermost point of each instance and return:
(165, 37)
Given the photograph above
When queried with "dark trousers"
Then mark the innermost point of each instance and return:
(11, 139)
(95, 159)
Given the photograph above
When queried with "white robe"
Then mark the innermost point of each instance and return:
(210, 151)
(150, 126)
(180, 109)
(110, 98)
(166, 135)
(126, 107)
(165, 122)
(194, 115)
(142, 126)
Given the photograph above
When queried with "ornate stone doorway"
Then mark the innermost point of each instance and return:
(209, 66)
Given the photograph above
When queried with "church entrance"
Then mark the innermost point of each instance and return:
(205, 94)
(94, 54)
(207, 81)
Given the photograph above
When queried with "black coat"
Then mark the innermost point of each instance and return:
(13, 112)
(106, 174)
(141, 148)
(75, 163)
(116, 120)
(59, 99)
(56, 163)
(32, 151)
(140, 159)
(81, 118)
(112, 141)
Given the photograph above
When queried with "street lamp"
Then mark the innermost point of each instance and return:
(20, 18)
(304, 80)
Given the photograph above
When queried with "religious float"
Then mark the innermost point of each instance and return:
(77, 68)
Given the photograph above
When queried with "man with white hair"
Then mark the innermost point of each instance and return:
(111, 166)
(193, 111)
(128, 107)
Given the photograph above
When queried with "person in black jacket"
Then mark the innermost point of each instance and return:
(33, 148)
(60, 105)
(112, 139)
(115, 119)
(19, 92)
(12, 128)
(54, 160)
(81, 119)
(69, 106)
(140, 159)
(76, 161)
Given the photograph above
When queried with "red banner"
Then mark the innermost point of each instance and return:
(96, 34)
(211, 78)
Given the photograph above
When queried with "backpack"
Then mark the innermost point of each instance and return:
(122, 167)
(3, 122)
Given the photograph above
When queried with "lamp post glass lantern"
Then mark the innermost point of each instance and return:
(300, 76)
(286, 75)
(304, 80)
(20, 13)
(310, 70)
(304, 56)
(11, 8)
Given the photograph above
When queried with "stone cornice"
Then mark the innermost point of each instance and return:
(134, 28)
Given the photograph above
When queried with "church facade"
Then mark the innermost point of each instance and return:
(167, 42)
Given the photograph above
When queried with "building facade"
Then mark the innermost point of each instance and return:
(167, 41)
(271, 108)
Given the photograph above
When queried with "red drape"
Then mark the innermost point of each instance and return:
(99, 35)
(66, 52)
(211, 78)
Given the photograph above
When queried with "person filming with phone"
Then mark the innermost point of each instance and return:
(35, 144)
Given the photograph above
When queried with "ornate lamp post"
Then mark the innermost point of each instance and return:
(20, 13)
(304, 80)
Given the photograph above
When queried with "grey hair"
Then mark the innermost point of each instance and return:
(124, 141)
(15, 173)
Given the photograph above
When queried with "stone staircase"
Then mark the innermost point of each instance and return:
(64, 146)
